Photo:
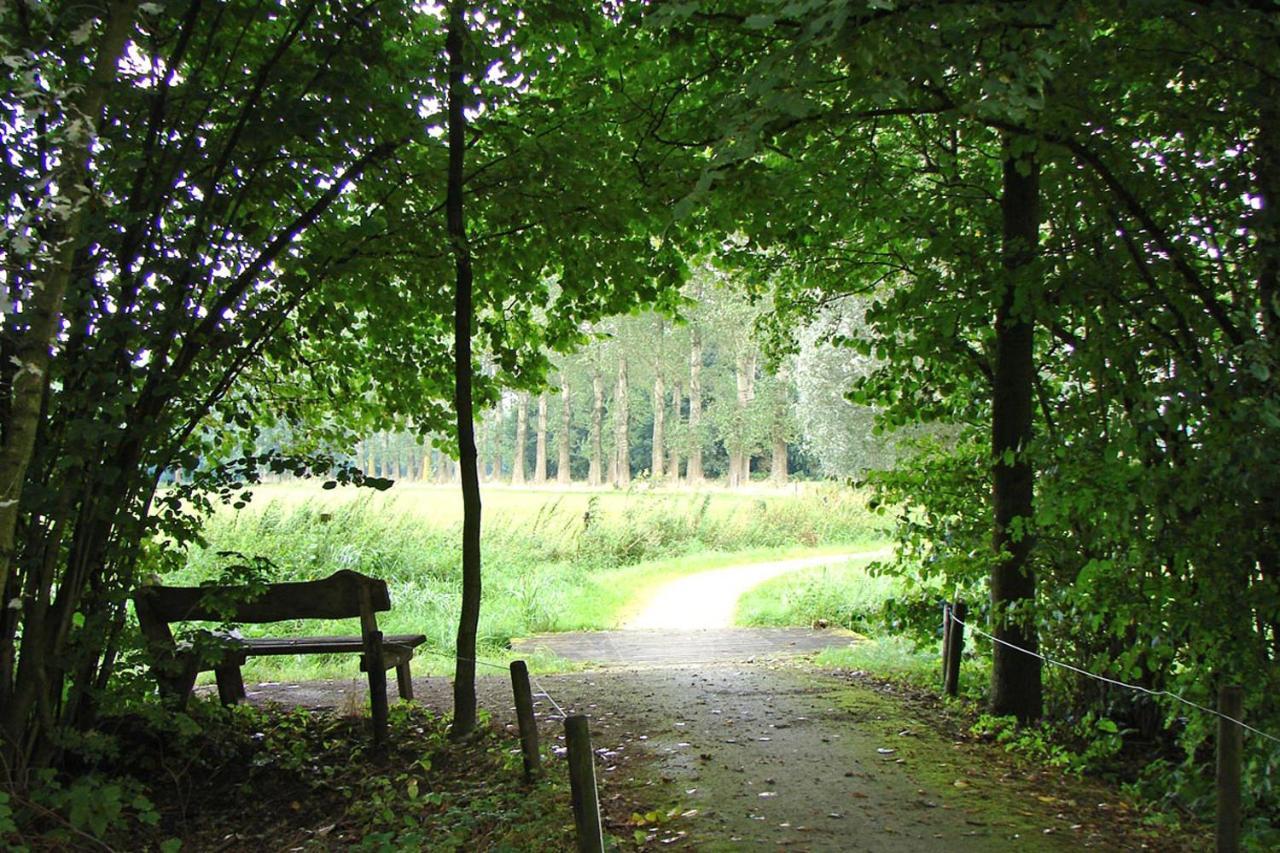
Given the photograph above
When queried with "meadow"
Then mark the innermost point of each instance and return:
(554, 560)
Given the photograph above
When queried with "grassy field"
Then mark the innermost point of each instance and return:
(847, 595)
(553, 559)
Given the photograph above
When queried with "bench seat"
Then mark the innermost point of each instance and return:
(264, 646)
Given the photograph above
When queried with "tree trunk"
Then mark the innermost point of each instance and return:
(384, 460)
(595, 472)
(693, 468)
(563, 473)
(522, 438)
(673, 461)
(42, 310)
(778, 459)
(1015, 676)
(659, 428)
(464, 682)
(540, 451)
(623, 420)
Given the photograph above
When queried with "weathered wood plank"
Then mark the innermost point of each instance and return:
(335, 597)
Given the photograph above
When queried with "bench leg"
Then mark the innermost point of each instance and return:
(404, 682)
(230, 684)
(377, 686)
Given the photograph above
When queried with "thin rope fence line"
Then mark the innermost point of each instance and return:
(543, 691)
(1139, 688)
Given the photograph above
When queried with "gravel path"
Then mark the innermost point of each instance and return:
(708, 599)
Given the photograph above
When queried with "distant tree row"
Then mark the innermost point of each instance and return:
(686, 400)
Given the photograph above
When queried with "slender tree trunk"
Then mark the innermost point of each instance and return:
(778, 472)
(384, 458)
(1015, 676)
(673, 460)
(693, 468)
(424, 472)
(623, 421)
(1268, 217)
(563, 473)
(739, 456)
(595, 471)
(659, 428)
(522, 438)
(540, 449)
(42, 311)
(464, 682)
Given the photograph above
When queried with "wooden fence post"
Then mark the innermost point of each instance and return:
(582, 785)
(946, 639)
(955, 645)
(526, 720)
(1230, 747)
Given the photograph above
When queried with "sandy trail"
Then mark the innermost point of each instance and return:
(708, 599)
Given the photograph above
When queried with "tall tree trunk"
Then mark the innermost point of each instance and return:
(385, 460)
(424, 472)
(522, 438)
(540, 448)
(778, 459)
(28, 375)
(464, 681)
(659, 428)
(673, 460)
(693, 468)
(1015, 676)
(744, 369)
(595, 471)
(622, 407)
(563, 473)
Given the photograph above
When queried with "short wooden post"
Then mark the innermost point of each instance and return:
(1230, 747)
(946, 638)
(582, 785)
(525, 718)
(955, 645)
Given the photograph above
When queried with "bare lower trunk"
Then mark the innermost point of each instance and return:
(659, 428)
(1015, 675)
(693, 469)
(778, 461)
(522, 438)
(540, 451)
(622, 476)
(566, 424)
(673, 460)
(739, 456)
(595, 472)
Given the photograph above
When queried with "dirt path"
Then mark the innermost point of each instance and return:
(708, 599)
(727, 757)
(752, 749)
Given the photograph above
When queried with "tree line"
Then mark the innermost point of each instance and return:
(688, 399)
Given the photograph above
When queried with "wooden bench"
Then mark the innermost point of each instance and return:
(342, 595)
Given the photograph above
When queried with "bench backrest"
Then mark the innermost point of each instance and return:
(343, 595)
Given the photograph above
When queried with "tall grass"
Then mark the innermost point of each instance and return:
(547, 560)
